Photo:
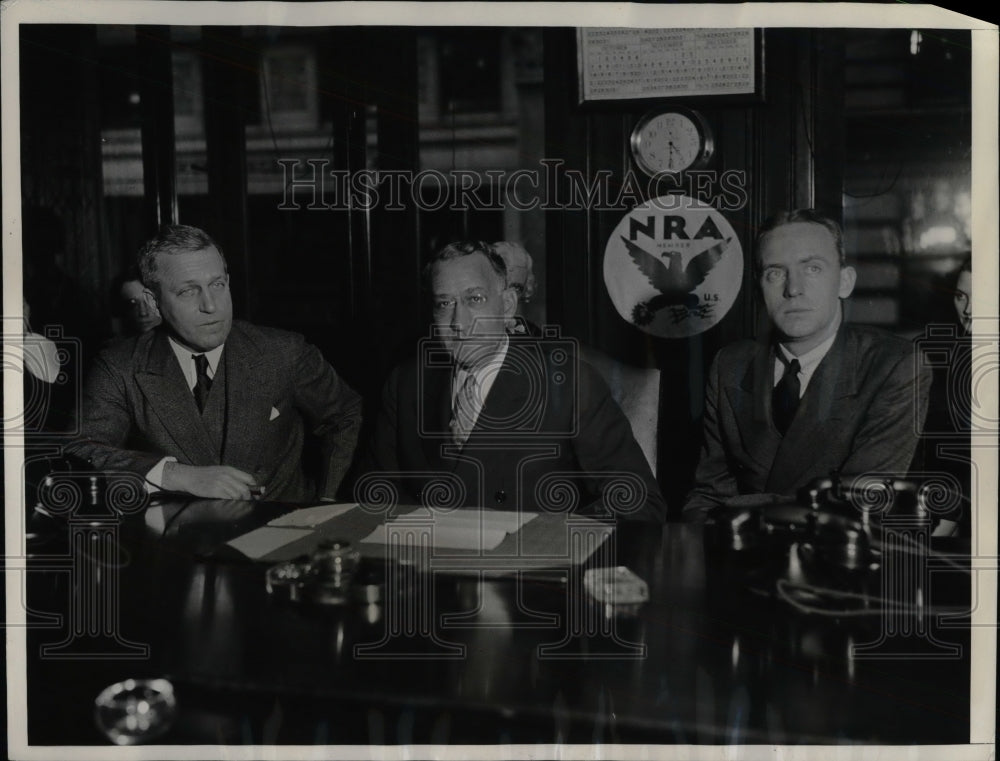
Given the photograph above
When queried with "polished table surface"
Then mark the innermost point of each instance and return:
(710, 658)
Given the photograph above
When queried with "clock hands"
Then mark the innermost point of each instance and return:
(672, 150)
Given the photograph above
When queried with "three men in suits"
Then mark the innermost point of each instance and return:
(481, 418)
(210, 406)
(816, 395)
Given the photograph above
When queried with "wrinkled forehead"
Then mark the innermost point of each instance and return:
(797, 241)
(184, 264)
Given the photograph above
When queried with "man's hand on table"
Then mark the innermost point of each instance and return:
(210, 481)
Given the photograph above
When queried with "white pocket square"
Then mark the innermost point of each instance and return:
(274, 413)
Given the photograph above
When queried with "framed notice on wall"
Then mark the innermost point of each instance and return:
(629, 65)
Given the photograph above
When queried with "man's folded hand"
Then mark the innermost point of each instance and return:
(210, 481)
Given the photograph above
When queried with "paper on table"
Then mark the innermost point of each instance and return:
(265, 540)
(507, 520)
(461, 536)
(311, 517)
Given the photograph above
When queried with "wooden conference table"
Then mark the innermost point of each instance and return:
(468, 657)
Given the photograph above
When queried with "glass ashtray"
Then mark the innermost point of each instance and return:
(286, 580)
(332, 572)
(136, 710)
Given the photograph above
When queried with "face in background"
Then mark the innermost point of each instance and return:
(141, 314)
(963, 300)
(520, 274)
(802, 282)
(193, 297)
(471, 307)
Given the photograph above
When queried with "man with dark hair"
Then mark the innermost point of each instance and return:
(815, 395)
(946, 442)
(210, 406)
(501, 421)
(129, 305)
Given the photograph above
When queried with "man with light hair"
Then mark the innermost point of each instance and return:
(815, 394)
(211, 406)
(521, 278)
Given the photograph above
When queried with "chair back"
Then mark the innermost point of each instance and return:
(637, 392)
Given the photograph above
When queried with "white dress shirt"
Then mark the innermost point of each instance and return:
(485, 374)
(185, 358)
(808, 363)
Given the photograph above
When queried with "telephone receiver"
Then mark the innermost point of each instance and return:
(835, 525)
(866, 498)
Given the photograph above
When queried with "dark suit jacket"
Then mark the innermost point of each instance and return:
(860, 414)
(945, 446)
(137, 408)
(549, 437)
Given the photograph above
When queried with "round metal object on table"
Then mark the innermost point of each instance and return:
(136, 710)
(285, 581)
(331, 572)
(375, 581)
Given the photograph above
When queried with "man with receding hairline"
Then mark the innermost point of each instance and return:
(208, 405)
(813, 396)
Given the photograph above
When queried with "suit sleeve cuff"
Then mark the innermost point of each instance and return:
(154, 478)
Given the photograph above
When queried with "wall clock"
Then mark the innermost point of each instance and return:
(672, 140)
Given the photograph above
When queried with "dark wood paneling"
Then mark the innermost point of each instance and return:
(396, 299)
(228, 72)
(157, 107)
(774, 145)
(66, 261)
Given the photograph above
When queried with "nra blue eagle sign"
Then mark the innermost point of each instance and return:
(673, 266)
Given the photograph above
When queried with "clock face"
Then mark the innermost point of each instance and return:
(671, 141)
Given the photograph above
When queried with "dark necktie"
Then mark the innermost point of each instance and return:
(203, 383)
(785, 397)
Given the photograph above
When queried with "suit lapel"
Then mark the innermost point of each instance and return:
(818, 418)
(162, 383)
(751, 403)
(504, 406)
(435, 416)
(248, 406)
(504, 403)
(503, 411)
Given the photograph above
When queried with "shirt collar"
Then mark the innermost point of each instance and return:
(184, 355)
(485, 372)
(813, 357)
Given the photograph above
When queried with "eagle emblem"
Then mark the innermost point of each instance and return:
(672, 279)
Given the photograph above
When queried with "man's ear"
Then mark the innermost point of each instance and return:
(151, 301)
(848, 277)
(509, 296)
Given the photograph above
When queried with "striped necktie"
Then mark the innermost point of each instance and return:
(464, 410)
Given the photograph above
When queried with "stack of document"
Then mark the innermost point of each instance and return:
(287, 529)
